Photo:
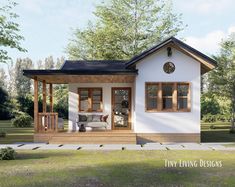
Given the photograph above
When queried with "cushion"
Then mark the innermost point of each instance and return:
(104, 119)
(82, 118)
(89, 117)
(96, 124)
(96, 118)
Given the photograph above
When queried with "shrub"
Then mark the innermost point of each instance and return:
(2, 134)
(209, 118)
(232, 131)
(223, 117)
(23, 120)
(7, 154)
(212, 127)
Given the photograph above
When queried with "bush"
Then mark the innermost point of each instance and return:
(232, 131)
(212, 127)
(23, 120)
(223, 118)
(2, 134)
(209, 118)
(7, 154)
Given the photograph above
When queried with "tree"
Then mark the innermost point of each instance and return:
(3, 78)
(9, 31)
(5, 106)
(124, 28)
(223, 77)
(49, 63)
(23, 84)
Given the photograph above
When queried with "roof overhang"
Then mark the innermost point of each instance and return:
(81, 76)
(207, 63)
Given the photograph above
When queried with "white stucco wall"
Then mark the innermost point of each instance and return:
(107, 89)
(150, 69)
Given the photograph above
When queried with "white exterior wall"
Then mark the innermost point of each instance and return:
(107, 95)
(150, 69)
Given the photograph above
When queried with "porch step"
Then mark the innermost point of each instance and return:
(93, 138)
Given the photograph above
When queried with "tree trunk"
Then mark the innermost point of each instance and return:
(233, 113)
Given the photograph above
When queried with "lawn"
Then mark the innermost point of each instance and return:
(15, 134)
(220, 134)
(115, 168)
(207, 135)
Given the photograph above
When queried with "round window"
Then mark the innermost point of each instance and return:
(169, 67)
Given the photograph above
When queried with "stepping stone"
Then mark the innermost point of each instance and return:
(30, 146)
(133, 147)
(154, 147)
(69, 147)
(50, 147)
(175, 147)
(195, 146)
(222, 148)
(152, 143)
(14, 146)
(90, 146)
(112, 147)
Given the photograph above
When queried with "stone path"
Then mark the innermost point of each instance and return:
(110, 147)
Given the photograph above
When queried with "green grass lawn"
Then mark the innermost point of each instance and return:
(216, 135)
(207, 134)
(115, 168)
(15, 134)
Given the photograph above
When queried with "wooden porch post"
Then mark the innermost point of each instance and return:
(36, 105)
(51, 97)
(44, 97)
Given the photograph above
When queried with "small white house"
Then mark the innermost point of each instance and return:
(155, 95)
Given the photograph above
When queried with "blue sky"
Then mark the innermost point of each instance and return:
(46, 25)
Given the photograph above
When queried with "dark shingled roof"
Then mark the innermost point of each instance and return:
(114, 67)
(94, 65)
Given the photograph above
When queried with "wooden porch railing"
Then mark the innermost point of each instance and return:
(47, 122)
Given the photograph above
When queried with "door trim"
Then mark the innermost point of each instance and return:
(130, 108)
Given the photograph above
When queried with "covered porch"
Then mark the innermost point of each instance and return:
(46, 124)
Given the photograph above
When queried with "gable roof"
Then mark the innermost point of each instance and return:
(207, 62)
(122, 67)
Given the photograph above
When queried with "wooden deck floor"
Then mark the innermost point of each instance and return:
(92, 137)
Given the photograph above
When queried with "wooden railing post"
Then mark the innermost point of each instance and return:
(36, 127)
(51, 97)
(44, 97)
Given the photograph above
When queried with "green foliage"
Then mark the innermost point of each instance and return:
(209, 118)
(61, 101)
(5, 105)
(23, 120)
(124, 29)
(26, 104)
(222, 79)
(22, 83)
(209, 105)
(7, 154)
(232, 131)
(9, 31)
(2, 134)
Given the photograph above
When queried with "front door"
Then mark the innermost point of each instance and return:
(121, 108)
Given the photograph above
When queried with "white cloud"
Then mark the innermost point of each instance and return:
(205, 6)
(209, 43)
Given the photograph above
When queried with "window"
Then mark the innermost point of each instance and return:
(167, 95)
(172, 97)
(151, 95)
(90, 99)
(182, 96)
